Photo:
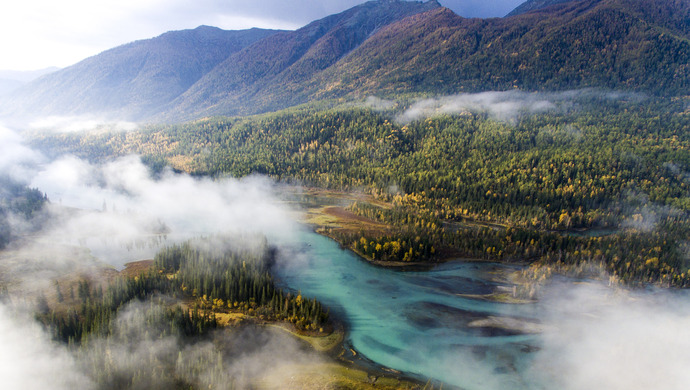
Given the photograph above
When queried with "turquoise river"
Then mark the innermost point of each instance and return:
(418, 323)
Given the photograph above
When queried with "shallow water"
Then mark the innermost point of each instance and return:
(414, 322)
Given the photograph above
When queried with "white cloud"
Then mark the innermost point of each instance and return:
(140, 206)
(228, 359)
(29, 360)
(15, 157)
(605, 338)
(378, 104)
(505, 106)
(70, 124)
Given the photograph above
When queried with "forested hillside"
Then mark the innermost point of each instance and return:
(613, 44)
(612, 166)
(617, 44)
(271, 74)
(131, 81)
(533, 5)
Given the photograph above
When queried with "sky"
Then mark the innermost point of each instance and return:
(36, 34)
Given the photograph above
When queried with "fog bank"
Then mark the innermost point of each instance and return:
(505, 106)
(606, 338)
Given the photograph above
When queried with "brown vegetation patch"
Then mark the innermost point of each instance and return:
(349, 222)
(342, 213)
(136, 268)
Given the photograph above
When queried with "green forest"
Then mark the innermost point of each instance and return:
(211, 276)
(596, 180)
(16, 199)
(181, 295)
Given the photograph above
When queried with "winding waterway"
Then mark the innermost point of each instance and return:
(415, 322)
(425, 324)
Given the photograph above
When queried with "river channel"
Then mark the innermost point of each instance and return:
(419, 323)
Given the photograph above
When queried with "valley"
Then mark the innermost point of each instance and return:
(392, 196)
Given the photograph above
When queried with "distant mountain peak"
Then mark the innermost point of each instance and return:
(133, 80)
(281, 63)
(406, 1)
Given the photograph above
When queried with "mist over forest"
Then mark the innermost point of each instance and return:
(102, 216)
(389, 197)
(122, 210)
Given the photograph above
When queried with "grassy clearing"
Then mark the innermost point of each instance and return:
(332, 218)
(229, 319)
(330, 211)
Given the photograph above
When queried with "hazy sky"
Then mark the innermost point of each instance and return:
(37, 34)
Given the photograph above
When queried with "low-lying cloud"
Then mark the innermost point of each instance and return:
(116, 212)
(139, 347)
(16, 159)
(121, 202)
(502, 106)
(642, 214)
(233, 358)
(606, 338)
(121, 213)
(72, 124)
(596, 337)
(378, 104)
(30, 360)
(506, 106)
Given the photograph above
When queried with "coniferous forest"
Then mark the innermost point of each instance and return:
(529, 174)
(178, 298)
(596, 180)
(17, 199)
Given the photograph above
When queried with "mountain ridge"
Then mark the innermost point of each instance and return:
(445, 53)
(291, 57)
(134, 79)
(385, 48)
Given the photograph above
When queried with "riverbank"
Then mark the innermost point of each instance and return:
(347, 368)
(326, 211)
(336, 221)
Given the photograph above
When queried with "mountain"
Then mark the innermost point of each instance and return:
(632, 45)
(270, 73)
(9, 85)
(139, 80)
(635, 45)
(26, 75)
(133, 81)
(383, 48)
(11, 80)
